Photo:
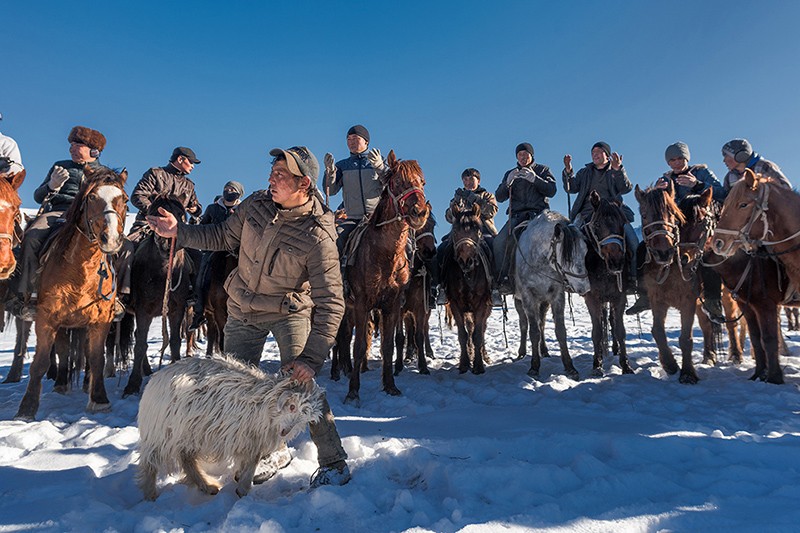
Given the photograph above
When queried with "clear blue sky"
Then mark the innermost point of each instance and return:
(453, 85)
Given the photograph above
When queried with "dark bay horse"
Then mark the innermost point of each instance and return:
(378, 270)
(675, 238)
(551, 258)
(467, 274)
(608, 263)
(221, 264)
(415, 312)
(150, 269)
(77, 287)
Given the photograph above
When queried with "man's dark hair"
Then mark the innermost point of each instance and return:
(471, 172)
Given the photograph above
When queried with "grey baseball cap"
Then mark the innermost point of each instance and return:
(300, 160)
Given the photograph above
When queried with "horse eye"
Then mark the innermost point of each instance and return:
(742, 205)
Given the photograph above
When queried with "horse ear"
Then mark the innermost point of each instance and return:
(476, 209)
(391, 159)
(705, 197)
(595, 198)
(750, 178)
(558, 231)
(15, 180)
(123, 176)
(670, 188)
(639, 193)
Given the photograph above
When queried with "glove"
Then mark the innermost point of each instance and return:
(514, 174)
(58, 176)
(330, 167)
(375, 159)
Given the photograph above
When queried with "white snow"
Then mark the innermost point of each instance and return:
(455, 452)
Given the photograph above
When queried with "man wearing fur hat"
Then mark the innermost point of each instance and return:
(288, 266)
(687, 179)
(359, 179)
(55, 195)
(527, 187)
(738, 155)
(10, 157)
(219, 211)
(606, 175)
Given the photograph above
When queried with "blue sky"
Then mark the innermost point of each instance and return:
(453, 85)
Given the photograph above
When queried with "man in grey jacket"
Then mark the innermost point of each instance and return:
(738, 155)
(288, 265)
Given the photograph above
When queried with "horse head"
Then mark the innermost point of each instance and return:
(697, 209)
(466, 236)
(9, 219)
(171, 204)
(569, 256)
(606, 231)
(661, 222)
(405, 185)
(99, 208)
(425, 239)
(743, 215)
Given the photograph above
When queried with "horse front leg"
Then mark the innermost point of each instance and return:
(45, 338)
(95, 339)
(390, 319)
(531, 312)
(399, 345)
(420, 338)
(20, 349)
(685, 341)
(617, 319)
(665, 356)
(561, 336)
(480, 317)
(175, 319)
(596, 311)
(768, 317)
(709, 337)
(522, 351)
(543, 307)
(360, 317)
(464, 339)
(63, 347)
(139, 354)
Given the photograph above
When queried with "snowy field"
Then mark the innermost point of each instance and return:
(455, 452)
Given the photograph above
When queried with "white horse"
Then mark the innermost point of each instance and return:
(550, 259)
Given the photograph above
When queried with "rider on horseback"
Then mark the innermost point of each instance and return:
(527, 187)
(55, 195)
(222, 208)
(10, 158)
(738, 155)
(687, 179)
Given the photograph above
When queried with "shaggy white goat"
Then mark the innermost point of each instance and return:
(217, 410)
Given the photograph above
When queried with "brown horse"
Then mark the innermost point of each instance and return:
(415, 312)
(760, 213)
(674, 238)
(378, 270)
(467, 276)
(77, 287)
(608, 265)
(9, 221)
(221, 264)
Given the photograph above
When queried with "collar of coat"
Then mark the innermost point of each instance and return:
(314, 208)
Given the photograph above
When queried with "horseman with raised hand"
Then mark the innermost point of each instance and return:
(606, 175)
(687, 179)
(527, 187)
(55, 195)
(10, 157)
(359, 178)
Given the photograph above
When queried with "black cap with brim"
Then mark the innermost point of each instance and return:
(188, 153)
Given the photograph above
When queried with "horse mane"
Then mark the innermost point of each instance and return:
(660, 202)
(9, 193)
(93, 178)
(571, 236)
(406, 168)
(468, 219)
(608, 212)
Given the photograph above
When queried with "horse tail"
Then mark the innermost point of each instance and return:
(126, 327)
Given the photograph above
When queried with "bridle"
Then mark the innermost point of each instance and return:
(399, 201)
(13, 237)
(599, 244)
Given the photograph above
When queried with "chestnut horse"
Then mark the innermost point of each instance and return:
(607, 264)
(467, 274)
(77, 283)
(415, 312)
(759, 212)
(378, 270)
(9, 221)
(675, 238)
(149, 273)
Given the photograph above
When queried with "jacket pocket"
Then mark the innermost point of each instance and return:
(295, 302)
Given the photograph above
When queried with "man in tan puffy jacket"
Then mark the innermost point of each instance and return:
(288, 264)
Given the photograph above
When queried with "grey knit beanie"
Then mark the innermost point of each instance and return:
(676, 150)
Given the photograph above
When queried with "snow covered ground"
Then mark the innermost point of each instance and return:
(455, 452)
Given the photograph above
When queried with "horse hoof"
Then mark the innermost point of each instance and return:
(397, 371)
(463, 369)
(352, 398)
(392, 391)
(425, 371)
(533, 373)
(671, 369)
(130, 392)
(626, 369)
(478, 370)
(776, 379)
(597, 372)
(689, 379)
(24, 418)
(95, 407)
(573, 375)
(10, 379)
(335, 377)
(61, 389)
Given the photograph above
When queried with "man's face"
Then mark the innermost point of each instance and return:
(599, 157)
(678, 164)
(356, 143)
(471, 182)
(285, 186)
(80, 153)
(183, 164)
(524, 158)
(731, 163)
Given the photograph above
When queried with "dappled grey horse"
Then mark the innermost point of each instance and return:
(550, 258)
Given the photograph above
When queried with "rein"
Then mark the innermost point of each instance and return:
(106, 269)
(399, 202)
(598, 244)
(165, 302)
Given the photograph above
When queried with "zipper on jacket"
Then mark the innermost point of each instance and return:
(272, 261)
